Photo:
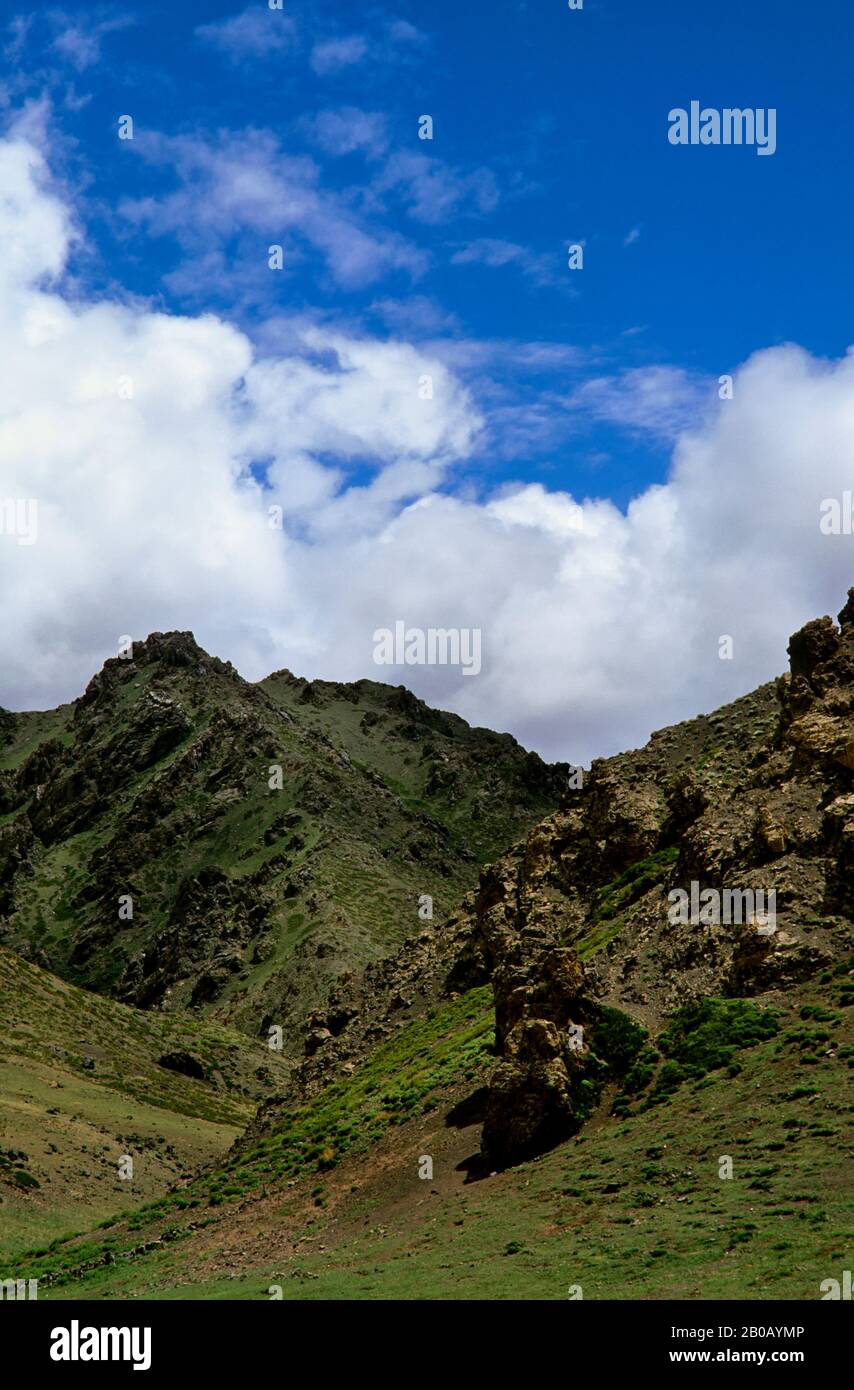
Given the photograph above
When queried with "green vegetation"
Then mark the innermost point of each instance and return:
(611, 901)
(452, 1043)
(159, 784)
(81, 1084)
(636, 1209)
(702, 1037)
(617, 1040)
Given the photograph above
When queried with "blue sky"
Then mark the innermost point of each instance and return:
(299, 127)
(550, 127)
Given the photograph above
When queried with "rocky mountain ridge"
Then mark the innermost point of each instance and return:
(180, 838)
(570, 1057)
(573, 922)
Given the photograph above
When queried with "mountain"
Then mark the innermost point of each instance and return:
(570, 1080)
(248, 901)
(266, 838)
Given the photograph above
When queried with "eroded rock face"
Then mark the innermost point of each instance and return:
(811, 649)
(532, 1101)
(574, 920)
(538, 990)
(757, 797)
(16, 843)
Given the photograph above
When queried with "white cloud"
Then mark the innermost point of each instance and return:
(35, 227)
(79, 40)
(245, 183)
(496, 254)
(553, 513)
(18, 30)
(658, 400)
(349, 129)
(432, 191)
(401, 31)
(257, 32)
(417, 315)
(150, 516)
(363, 402)
(333, 55)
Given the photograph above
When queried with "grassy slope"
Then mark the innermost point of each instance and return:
(34, 728)
(439, 766)
(331, 1205)
(73, 1121)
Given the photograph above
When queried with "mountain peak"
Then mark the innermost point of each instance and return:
(172, 650)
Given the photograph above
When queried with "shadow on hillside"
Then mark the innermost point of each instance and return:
(476, 1168)
(470, 1111)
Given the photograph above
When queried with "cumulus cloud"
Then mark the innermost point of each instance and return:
(35, 227)
(153, 512)
(136, 433)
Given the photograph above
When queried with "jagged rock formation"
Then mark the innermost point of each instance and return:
(767, 806)
(286, 908)
(575, 918)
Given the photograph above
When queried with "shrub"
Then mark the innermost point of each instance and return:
(617, 1040)
(706, 1034)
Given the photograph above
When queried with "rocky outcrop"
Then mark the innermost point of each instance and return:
(184, 1063)
(263, 899)
(574, 921)
(757, 799)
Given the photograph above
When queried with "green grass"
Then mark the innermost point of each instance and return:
(74, 1121)
(607, 915)
(705, 1036)
(400, 1080)
(637, 1209)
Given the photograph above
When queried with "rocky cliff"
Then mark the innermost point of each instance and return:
(576, 922)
